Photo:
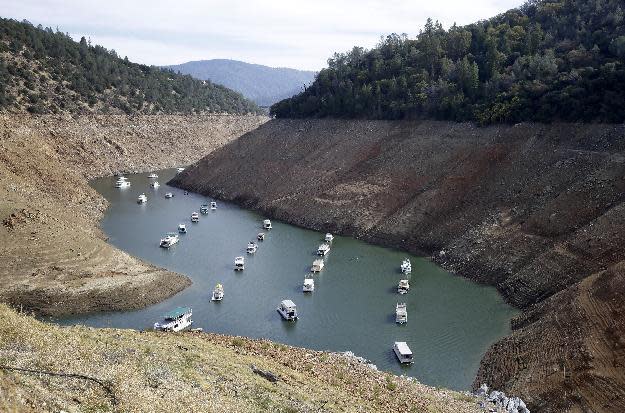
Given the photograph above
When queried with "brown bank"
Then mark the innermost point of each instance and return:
(536, 210)
(54, 259)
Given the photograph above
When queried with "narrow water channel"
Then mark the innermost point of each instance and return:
(451, 321)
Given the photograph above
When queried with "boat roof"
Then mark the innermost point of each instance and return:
(177, 312)
(403, 348)
(204, 205)
(267, 220)
(287, 303)
(309, 281)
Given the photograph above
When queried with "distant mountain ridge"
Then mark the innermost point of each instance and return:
(262, 84)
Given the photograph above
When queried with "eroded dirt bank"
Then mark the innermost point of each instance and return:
(54, 259)
(532, 209)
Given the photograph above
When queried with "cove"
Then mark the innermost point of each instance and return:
(451, 321)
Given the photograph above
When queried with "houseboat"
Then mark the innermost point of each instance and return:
(403, 353)
(317, 266)
(329, 237)
(251, 247)
(288, 310)
(122, 182)
(403, 286)
(204, 209)
(195, 217)
(176, 320)
(267, 224)
(155, 184)
(142, 199)
(323, 249)
(260, 236)
(170, 239)
(239, 264)
(152, 176)
(178, 170)
(182, 228)
(218, 293)
(169, 195)
(309, 285)
(213, 206)
(406, 267)
(401, 314)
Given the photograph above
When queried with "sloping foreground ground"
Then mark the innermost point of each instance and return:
(532, 209)
(53, 257)
(191, 372)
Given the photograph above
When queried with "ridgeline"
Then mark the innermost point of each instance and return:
(547, 60)
(44, 71)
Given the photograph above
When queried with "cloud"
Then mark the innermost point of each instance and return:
(300, 34)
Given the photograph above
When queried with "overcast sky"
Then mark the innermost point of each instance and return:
(285, 33)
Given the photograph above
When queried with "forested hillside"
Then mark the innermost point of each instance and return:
(45, 71)
(262, 84)
(547, 60)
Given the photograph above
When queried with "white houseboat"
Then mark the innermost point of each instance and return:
(329, 237)
(178, 170)
(182, 228)
(195, 217)
(169, 195)
(406, 267)
(403, 287)
(213, 206)
(309, 285)
(239, 264)
(288, 310)
(323, 249)
(204, 209)
(142, 199)
(170, 239)
(267, 224)
(403, 353)
(122, 182)
(218, 293)
(401, 314)
(317, 266)
(155, 184)
(152, 176)
(176, 320)
(251, 247)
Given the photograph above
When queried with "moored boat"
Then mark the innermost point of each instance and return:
(401, 313)
(309, 285)
(170, 239)
(155, 184)
(182, 228)
(142, 199)
(317, 265)
(288, 310)
(267, 224)
(403, 352)
(239, 264)
(122, 182)
(406, 267)
(213, 205)
(260, 236)
(178, 170)
(251, 247)
(176, 320)
(218, 293)
(323, 249)
(169, 195)
(403, 287)
(152, 176)
(195, 217)
(204, 209)
(329, 237)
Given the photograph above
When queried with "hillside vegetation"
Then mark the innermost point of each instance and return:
(45, 71)
(547, 60)
(262, 84)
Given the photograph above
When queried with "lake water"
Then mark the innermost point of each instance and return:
(451, 321)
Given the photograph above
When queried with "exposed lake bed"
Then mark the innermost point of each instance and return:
(451, 321)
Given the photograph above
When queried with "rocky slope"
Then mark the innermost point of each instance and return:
(532, 209)
(53, 258)
(192, 372)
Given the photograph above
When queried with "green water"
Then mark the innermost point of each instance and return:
(451, 321)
